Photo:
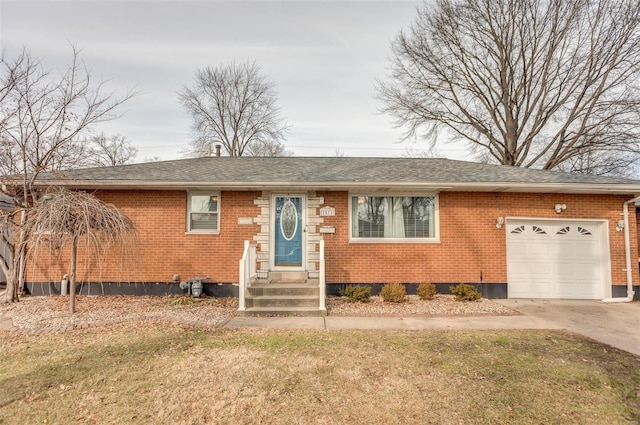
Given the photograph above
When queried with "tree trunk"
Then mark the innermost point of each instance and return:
(72, 277)
(22, 254)
(11, 294)
(13, 279)
(22, 265)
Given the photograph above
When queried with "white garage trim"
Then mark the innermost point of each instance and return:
(558, 258)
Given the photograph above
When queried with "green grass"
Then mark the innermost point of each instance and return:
(168, 375)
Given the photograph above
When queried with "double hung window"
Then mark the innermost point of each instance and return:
(203, 212)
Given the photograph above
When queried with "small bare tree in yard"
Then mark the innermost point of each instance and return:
(551, 84)
(43, 117)
(235, 106)
(109, 151)
(63, 218)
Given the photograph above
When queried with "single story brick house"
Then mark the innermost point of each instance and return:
(253, 221)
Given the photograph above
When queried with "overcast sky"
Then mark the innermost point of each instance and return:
(323, 56)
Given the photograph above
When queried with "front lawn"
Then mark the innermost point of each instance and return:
(164, 374)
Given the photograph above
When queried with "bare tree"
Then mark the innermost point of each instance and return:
(338, 153)
(109, 151)
(529, 83)
(268, 148)
(43, 116)
(9, 158)
(235, 106)
(601, 162)
(62, 217)
(412, 152)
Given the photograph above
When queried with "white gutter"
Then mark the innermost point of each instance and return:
(627, 252)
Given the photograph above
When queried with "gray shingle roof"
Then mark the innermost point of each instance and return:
(325, 171)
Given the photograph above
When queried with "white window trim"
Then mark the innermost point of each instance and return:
(436, 205)
(188, 220)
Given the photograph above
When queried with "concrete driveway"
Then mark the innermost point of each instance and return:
(616, 324)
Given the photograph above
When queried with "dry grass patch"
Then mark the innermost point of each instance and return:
(170, 375)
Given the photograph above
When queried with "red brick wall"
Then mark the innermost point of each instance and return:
(164, 248)
(470, 243)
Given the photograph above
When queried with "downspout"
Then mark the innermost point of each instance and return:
(627, 251)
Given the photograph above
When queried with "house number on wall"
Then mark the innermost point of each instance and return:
(327, 212)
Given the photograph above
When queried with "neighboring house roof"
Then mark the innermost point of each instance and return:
(331, 173)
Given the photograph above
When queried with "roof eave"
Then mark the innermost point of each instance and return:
(591, 188)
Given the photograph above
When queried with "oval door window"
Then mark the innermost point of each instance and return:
(288, 220)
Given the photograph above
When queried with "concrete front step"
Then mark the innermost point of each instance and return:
(283, 289)
(294, 277)
(284, 311)
(283, 301)
(267, 298)
(271, 282)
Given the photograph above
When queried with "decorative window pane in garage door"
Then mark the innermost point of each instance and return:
(556, 259)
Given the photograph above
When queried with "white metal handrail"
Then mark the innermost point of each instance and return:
(323, 283)
(246, 273)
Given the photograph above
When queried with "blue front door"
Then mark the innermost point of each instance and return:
(288, 231)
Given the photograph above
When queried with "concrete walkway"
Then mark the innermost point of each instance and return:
(615, 324)
(403, 323)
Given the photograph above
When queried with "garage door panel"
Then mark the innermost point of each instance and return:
(535, 267)
(569, 273)
(539, 250)
(576, 252)
(555, 259)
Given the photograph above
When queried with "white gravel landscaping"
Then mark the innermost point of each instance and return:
(441, 305)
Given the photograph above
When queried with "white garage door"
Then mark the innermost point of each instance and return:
(556, 259)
